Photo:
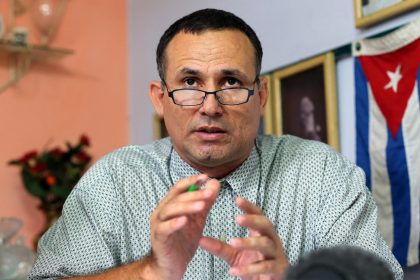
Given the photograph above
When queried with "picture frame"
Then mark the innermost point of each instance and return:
(159, 128)
(304, 101)
(266, 123)
(2, 27)
(369, 12)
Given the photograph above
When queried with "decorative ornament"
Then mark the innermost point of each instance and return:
(46, 15)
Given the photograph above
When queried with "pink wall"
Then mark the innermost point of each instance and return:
(83, 93)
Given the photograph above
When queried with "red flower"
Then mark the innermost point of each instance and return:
(28, 156)
(56, 152)
(84, 140)
(39, 167)
(50, 175)
(83, 156)
(51, 180)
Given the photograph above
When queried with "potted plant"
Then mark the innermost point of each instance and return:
(52, 174)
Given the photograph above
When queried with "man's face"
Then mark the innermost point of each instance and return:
(213, 138)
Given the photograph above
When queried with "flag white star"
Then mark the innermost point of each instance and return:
(394, 78)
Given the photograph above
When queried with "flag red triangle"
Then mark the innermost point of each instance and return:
(392, 98)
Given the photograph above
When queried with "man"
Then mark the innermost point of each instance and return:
(309, 126)
(261, 202)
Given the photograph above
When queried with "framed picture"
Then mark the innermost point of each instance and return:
(368, 12)
(159, 128)
(266, 123)
(2, 28)
(304, 100)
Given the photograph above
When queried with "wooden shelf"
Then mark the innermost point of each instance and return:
(22, 56)
(36, 52)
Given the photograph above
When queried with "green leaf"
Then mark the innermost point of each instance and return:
(60, 191)
(32, 185)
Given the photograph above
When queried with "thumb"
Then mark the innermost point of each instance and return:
(218, 248)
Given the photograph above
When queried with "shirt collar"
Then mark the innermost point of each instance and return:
(179, 169)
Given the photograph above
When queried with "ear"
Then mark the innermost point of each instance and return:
(263, 93)
(156, 95)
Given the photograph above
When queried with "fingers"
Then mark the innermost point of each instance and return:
(165, 229)
(254, 219)
(182, 186)
(247, 206)
(179, 191)
(217, 248)
(212, 187)
(179, 202)
(261, 253)
(267, 267)
(257, 223)
(180, 209)
(179, 206)
(263, 235)
(262, 244)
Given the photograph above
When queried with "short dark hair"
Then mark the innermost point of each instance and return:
(204, 20)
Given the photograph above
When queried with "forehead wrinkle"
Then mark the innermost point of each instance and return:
(203, 61)
(205, 54)
(222, 72)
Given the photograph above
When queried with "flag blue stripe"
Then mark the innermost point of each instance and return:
(418, 91)
(400, 191)
(362, 122)
(418, 82)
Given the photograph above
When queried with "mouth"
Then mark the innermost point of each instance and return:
(210, 133)
(210, 129)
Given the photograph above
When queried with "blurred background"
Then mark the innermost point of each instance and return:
(93, 79)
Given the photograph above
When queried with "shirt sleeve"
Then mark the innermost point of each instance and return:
(91, 213)
(349, 213)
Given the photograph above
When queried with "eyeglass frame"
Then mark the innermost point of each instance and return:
(250, 93)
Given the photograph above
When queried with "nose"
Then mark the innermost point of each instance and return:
(210, 106)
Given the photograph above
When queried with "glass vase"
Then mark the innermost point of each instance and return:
(46, 15)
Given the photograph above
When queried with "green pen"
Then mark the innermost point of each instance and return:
(192, 188)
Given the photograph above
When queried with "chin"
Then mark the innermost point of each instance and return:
(210, 159)
(215, 157)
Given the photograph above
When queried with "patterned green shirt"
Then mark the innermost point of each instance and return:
(313, 196)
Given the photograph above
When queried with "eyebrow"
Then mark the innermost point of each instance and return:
(232, 72)
(236, 73)
(189, 71)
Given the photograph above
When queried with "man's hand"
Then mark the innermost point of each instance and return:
(177, 225)
(257, 257)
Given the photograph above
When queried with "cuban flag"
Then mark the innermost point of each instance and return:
(388, 134)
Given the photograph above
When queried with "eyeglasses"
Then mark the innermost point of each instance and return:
(226, 96)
